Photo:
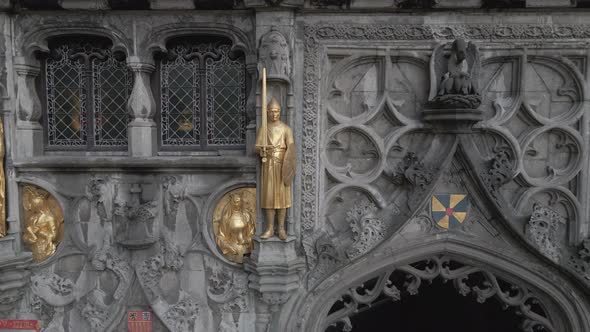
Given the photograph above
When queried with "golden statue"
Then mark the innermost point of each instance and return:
(43, 222)
(234, 223)
(2, 182)
(276, 147)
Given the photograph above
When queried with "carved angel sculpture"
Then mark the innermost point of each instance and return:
(454, 76)
(43, 222)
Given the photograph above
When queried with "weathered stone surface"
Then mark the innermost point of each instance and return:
(354, 78)
(550, 3)
(172, 4)
(84, 4)
(459, 4)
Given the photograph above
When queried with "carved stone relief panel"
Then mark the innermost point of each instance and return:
(374, 149)
(534, 103)
(372, 153)
(43, 226)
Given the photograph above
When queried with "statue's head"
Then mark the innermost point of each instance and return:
(273, 110)
(460, 48)
(34, 199)
(236, 199)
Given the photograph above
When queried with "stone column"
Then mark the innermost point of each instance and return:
(29, 132)
(141, 106)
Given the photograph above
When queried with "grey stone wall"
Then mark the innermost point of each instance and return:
(368, 167)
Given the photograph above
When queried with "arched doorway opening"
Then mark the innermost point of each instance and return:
(437, 307)
(428, 304)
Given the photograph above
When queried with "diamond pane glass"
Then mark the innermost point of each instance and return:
(112, 82)
(226, 94)
(180, 118)
(201, 84)
(66, 100)
(87, 92)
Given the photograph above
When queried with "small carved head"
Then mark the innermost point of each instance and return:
(236, 200)
(34, 199)
(96, 188)
(460, 48)
(274, 110)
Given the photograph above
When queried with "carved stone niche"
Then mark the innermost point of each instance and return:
(454, 94)
(274, 55)
(134, 217)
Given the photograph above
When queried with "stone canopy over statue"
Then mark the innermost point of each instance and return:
(454, 76)
(276, 147)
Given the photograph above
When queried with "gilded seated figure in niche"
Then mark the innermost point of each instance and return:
(234, 223)
(43, 222)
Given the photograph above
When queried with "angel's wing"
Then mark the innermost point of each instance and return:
(438, 67)
(474, 65)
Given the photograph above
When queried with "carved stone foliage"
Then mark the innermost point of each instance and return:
(543, 229)
(367, 228)
(159, 278)
(228, 288)
(274, 55)
(401, 281)
(580, 262)
(15, 275)
(134, 217)
(94, 299)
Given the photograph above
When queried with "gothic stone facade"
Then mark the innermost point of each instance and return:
(353, 78)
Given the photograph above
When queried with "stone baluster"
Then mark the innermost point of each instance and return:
(29, 142)
(142, 108)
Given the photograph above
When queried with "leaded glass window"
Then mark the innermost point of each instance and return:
(87, 91)
(203, 93)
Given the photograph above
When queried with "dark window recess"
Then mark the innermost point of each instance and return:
(408, 4)
(216, 4)
(39, 4)
(504, 4)
(203, 96)
(129, 4)
(87, 88)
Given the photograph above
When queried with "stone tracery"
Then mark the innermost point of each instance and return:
(466, 279)
(377, 158)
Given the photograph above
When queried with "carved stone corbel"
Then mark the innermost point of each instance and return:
(29, 130)
(142, 108)
(275, 272)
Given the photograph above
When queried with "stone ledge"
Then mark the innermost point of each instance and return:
(219, 163)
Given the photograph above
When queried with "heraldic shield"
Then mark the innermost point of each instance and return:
(449, 210)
